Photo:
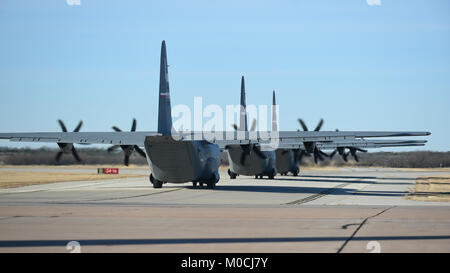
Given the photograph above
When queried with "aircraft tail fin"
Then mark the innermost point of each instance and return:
(164, 111)
(274, 113)
(243, 112)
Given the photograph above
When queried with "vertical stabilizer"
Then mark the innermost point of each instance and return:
(274, 113)
(164, 112)
(243, 113)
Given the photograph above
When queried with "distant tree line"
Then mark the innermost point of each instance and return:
(46, 156)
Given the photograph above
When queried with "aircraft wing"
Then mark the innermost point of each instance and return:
(222, 139)
(289, 137)
(354, 144)
(114, 138)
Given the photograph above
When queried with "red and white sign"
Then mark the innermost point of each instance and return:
(109, 170)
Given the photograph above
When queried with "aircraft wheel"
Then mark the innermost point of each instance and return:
(156, 183)
(231, 174)
(295, 173)
(272, 175)
(195, 184)
(211, 183)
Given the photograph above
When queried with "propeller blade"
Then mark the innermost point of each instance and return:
(77, 129)
(302, 123)
(127, 160)
(322, 153)
(258, 152)
(320, 156)
(235, 127)
(356, 157)
(75, 154)
(319, 126)
(116, 129)
(345, 156)
(133, 126)
(317, 155)
(361, 150)
(58, 156)
(63, 127)
(252, 129)
(113, 148)
(139, 150)
(333, 153)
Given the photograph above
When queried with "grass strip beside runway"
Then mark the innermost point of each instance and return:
(435, 189)
(13, 179)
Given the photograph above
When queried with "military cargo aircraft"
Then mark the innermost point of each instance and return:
(194, 156)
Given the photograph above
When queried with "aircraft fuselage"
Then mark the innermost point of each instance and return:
(182, 161)
(254, 164)
(286, 161)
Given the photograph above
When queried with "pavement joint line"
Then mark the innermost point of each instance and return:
(360, 226)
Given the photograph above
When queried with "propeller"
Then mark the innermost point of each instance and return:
(311, 146)
(299, 154)
(127, 149)
(341, 151)
(353, 151)
(66, 148)
(248, 148)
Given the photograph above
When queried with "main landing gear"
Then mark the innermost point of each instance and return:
(156, 183)
(231, 174)
(210, 183)
(270, 176)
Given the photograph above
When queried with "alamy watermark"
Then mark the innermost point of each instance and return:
(73, 247)
(212, 122)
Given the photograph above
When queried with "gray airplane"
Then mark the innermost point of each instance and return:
(127, 149)
(287, 160)
(179, 157)
(68, 148)
(178, 161)
(248, 159)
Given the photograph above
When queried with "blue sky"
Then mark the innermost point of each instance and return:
(359, 67)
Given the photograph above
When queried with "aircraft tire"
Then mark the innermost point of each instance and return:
(156, 183)
(231, 174)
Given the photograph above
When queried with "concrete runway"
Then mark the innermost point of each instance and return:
(344, 210)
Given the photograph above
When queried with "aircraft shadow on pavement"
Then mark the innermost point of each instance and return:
(156, 241)
(306, 190)
(340, 180)
(359, 177)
